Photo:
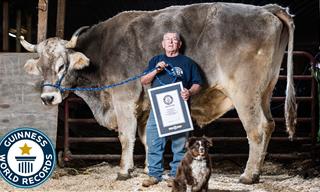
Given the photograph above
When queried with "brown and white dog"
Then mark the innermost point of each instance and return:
(194, 171)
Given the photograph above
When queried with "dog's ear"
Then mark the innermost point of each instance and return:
(209, 140)
(190, 142)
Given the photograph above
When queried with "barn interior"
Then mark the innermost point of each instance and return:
(229, 136)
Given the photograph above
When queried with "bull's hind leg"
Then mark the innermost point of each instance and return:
(258, 129)
(270, 125)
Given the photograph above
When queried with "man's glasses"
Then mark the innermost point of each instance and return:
(171, 39)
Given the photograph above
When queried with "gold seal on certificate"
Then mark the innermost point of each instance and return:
(171, 112)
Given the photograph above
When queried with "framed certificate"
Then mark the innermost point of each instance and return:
(171, 112)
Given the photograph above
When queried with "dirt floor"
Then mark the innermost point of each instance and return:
(293, 177)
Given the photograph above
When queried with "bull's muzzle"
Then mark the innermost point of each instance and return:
(47, 100)
(51, 98)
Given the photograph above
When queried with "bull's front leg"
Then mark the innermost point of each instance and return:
(127, 127)
(143, 139)
(127, 140)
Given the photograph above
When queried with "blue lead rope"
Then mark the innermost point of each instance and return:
(57, 85)
(171, 74)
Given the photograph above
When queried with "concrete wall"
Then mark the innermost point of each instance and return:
(20, 103)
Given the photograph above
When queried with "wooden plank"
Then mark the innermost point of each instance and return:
(29, 27)
(61, 7)
(18, 29)
(42, 19)
(5, 26)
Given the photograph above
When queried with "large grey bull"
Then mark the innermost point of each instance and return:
(239, 48)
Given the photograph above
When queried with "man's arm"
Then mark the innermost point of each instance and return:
(186, 93)
(146, 79)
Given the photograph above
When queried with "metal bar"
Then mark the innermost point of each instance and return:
(102, 156)
(296, 77)
(215, 139)
(288, 156)
(316, 146)
(221, 119)
(307, 55)
(312, 63)
(71, 99)
(66, 128)
(88, 120)
(277, 119)
(313, 110)
(298, 99)
(93, 139)
(298, 139)
(213, 156)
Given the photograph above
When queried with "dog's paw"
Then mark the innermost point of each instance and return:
(195, 182)
(189, 188)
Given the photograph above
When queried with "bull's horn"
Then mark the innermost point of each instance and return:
(28, 46)
(73, 41)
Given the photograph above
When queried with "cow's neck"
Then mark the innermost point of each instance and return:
(102, 112)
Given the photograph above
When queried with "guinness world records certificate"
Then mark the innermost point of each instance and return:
(171, 112)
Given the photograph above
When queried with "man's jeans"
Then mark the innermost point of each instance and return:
(156, 148)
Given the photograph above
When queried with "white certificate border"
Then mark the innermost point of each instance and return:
(150, 91)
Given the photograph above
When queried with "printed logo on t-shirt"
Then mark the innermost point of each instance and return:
(177, 71)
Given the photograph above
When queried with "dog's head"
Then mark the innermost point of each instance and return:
(199, 146)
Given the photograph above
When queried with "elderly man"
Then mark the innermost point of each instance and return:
(186, 71)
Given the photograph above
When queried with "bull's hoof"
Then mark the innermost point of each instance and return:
(123, 177)
(255, 178)
(246, 180)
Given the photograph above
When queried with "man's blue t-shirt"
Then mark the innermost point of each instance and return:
(182, 67)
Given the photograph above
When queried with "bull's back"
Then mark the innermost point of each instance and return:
(213, 34)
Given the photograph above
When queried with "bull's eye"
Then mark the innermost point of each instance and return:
(60, 68)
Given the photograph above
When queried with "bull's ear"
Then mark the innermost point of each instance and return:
(78, 60)
(31, 67)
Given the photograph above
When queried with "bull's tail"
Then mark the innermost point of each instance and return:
(290, 103)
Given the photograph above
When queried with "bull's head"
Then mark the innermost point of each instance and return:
(56, 59)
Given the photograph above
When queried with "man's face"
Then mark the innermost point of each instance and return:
(171, 43)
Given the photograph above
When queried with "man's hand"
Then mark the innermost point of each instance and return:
(160, 66)
(185, 94)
